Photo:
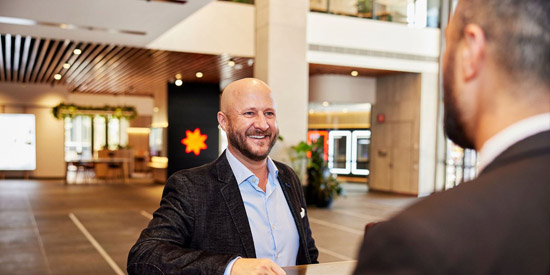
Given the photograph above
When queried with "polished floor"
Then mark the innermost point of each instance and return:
(48, 227)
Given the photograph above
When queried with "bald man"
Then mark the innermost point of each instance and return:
(241, 214)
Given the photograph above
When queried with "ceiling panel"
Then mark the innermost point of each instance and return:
(107, 68)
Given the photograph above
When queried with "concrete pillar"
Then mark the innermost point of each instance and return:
(281, 62)
(428, 162)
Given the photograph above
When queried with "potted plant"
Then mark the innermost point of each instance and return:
(322, 186)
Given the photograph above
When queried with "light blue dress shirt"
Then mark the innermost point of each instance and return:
(273, 228)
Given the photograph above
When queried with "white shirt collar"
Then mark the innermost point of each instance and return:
(242, 173)
(511, 135)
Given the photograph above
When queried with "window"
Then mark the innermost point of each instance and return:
(82, 140)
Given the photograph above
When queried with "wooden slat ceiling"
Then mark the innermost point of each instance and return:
(109, 69)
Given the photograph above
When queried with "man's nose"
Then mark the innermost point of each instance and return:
(261, 123)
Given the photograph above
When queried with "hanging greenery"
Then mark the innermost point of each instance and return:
(70, 110)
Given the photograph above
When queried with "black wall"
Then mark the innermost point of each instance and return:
(191, 106)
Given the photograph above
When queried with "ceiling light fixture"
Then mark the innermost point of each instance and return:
(325, 103)
(354, 73)
(57, 76)
(199, 74)
(77, 51)
(66, 65)
(230, 63)
(178, 81)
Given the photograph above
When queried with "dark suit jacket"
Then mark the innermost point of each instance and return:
(202, 223)
(498, 223)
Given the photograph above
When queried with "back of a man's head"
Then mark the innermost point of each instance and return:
(517, 33)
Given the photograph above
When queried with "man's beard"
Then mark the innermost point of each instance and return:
(452, 123)
(239, 142)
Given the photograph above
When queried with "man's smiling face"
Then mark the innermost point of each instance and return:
(251, 121)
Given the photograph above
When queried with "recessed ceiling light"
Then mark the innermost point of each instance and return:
(77, 51)
(250, 62)
(66, 65)
(178, 82)
(199, 75)
(325, 103)
(156, 109)
(178, 76)
(57, 76)
(230, 63)
(354, 73)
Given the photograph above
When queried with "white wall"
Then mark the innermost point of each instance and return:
(38, 100)
(364, 43)
(361, 33)
(217, 28)
(342, 89)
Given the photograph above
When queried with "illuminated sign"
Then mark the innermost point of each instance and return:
(194, 141)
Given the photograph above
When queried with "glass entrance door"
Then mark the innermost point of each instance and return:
(360, 153)
(339, 152)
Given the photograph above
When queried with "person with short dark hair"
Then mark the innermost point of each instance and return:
(240, 214)
(496, 80)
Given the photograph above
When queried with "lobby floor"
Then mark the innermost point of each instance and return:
(47, 227)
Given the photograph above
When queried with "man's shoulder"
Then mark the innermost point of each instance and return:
(194, 171)
(204, 172)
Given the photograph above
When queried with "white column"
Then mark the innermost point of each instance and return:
(281, 62)
(427, 162)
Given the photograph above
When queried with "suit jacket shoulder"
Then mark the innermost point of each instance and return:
(477, 227)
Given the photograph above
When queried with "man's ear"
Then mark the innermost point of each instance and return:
(222, 120)
(473, 51)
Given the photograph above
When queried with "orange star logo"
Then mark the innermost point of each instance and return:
(194, 141)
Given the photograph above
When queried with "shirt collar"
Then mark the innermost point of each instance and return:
(242, 173)
(511, 135)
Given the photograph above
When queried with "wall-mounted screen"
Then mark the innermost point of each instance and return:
(17, 142)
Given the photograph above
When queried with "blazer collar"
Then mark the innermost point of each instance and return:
(533, 145)
(234, 202)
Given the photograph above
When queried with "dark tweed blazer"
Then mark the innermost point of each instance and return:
(202, 223)
(498, 223)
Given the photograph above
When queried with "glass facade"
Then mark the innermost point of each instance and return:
(461, 165)
(80, 136)
(417, 13)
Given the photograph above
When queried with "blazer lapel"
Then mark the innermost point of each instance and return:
(293, 202)
(234, 201)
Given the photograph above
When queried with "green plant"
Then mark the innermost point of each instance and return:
(364, 6)
(322, 186)
(63, 110)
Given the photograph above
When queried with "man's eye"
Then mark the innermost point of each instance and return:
(249, 113)
(269, 114)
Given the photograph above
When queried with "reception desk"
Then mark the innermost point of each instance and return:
(339, 268)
